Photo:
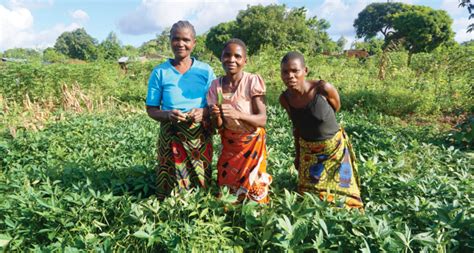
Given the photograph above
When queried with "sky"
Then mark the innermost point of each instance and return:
(38, 23)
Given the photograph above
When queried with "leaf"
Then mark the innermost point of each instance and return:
(9, 222)
(402, 237)
(204, 213)
(220, 97)
(425, 237)
(141, 234)
(300, 232)
(285, 224)
(367, 248)
(4, 241)
(323, 226)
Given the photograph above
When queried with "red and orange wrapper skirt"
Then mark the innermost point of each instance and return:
(242, 164)
(328, 168)
(184, 153)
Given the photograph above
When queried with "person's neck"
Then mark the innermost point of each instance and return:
(303, 90)
(234, 79)
(182, 61)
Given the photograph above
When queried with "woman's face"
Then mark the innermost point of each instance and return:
(182, 43)
(293, 73)
(233, 58)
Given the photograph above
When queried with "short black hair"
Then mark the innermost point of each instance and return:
(236, 41)
(291, 56)
(182, 24)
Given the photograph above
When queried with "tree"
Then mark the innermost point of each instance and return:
(341, 42)
(276, 26)
(110, 48)
(375, 18)
(470, 8)
(218, 35)
(23, 53)
(158, 46)
(200, 51)
(421, 29)
(77, 45)
(148, 48)
(50, 55)
(372, 46)
(322, 41)
(129, 50)
(416, 28)
(163, 42)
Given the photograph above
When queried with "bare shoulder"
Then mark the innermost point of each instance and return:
(329, 92)
(324, 87)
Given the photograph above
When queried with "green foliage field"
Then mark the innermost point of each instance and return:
(85, 181)
(87, 184)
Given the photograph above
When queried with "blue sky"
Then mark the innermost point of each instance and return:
(37, 23)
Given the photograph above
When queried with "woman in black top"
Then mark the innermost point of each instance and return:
(324, 156)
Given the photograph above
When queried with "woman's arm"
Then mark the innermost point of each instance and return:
(216, 118)
(296, 136)
(329, 91)
(257, 119)
(296, 133)
(198, 114)
(155, 113)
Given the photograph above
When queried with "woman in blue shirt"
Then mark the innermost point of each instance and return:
(176, 98)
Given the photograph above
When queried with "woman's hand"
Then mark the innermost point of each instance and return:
(215, 111)
(229, 112)
(196, 114)
(176, 116)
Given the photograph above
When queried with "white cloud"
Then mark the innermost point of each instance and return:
(152, 16)
(452, 7)
(460, 28)
(460, 19)
(341, 15)
(80, 15)
(16, 29)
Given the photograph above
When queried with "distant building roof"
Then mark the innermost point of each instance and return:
(5, 59)
(123, 59)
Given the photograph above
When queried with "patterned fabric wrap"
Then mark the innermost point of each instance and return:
(184, 157)
(242, 164)
(328, 168)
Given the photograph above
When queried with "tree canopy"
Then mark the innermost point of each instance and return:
(218, 35)
(416, 28)
(51, 55)
(272, 25)
(373, 45)
(421, 29)
(23, 53)
(110, 48)
(77, 45)
(341, 42)
(375, 18)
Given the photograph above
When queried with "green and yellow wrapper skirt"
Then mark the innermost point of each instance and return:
(328, 169)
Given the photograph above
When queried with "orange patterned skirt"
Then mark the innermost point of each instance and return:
(242, 164)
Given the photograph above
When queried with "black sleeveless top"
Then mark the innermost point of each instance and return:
(316, 121)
